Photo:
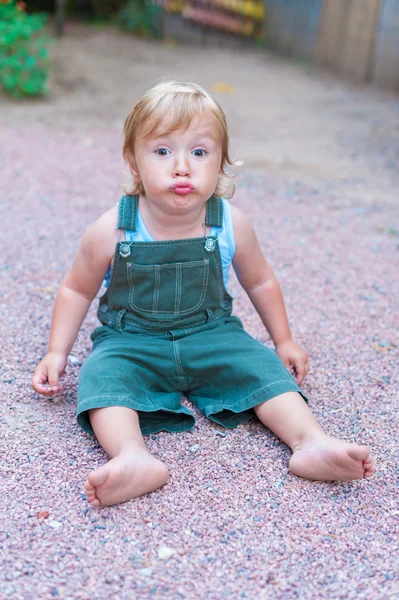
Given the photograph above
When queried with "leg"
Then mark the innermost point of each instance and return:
(316, 455)
(132, 470)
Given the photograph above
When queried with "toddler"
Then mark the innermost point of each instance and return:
(167, 328)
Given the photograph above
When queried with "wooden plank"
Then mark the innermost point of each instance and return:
(359, 43)
(291, 25)
(272, 23)
(306, 23)
(346, 38)
(385, 70)
(332, 32)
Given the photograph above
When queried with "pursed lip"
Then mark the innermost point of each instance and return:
(182, 188)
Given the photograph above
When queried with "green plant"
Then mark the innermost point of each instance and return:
(142, 17)
(24, 62)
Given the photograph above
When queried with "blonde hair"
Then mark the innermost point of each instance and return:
(181, 101)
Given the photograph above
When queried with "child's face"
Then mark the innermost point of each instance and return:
(180, 170)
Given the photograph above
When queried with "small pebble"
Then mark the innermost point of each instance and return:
(194, 449)
(368, 573)
(54, 524)
(74, 360)
(165, 553)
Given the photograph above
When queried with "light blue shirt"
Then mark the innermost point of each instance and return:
(225, 235)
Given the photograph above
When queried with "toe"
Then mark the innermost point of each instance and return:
(89, 490)
(368, 466)
(98, 477)
(94, 503)
(90, 496)
(358, 452)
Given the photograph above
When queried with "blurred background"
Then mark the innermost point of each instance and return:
(358, 39)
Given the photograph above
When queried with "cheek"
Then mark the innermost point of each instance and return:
(214, 168)
(145, 169)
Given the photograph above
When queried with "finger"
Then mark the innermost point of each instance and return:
(53, 379)
(305, 370)
(40, 384)
(43, 390)
(39, 378)
(300, 372)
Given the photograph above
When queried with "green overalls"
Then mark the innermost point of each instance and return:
(167, 331)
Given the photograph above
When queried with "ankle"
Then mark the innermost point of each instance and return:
(131, 447)
(307, 438)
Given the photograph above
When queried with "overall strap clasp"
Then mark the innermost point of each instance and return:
(213, 218)
(127, 220)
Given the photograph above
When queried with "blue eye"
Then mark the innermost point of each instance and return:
(162, 151)
(199, 152)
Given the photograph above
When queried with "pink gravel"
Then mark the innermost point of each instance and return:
(241, 525)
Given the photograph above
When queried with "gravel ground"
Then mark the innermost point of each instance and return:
(237, 524)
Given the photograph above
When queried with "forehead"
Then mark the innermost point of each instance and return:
(203, 124)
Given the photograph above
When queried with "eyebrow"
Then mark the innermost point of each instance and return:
(197, 134)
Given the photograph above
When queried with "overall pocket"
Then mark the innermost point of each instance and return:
(170, 289)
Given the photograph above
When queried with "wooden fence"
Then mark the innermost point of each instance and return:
(385, 68)
(358, 39)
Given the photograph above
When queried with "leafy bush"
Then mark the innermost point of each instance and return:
(24, 60)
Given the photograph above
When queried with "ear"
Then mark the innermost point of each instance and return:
(131, 161)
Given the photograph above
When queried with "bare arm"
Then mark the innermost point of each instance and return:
(258, 280)
(78, 289)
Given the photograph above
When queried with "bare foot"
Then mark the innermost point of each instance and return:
(130, 474)
(325, 458)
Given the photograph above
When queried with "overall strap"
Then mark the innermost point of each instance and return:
(214, 212)
(127, 213)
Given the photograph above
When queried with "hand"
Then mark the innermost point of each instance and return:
(47, 372)
(295, 359)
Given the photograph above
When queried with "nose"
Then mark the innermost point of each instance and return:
(181, 166)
